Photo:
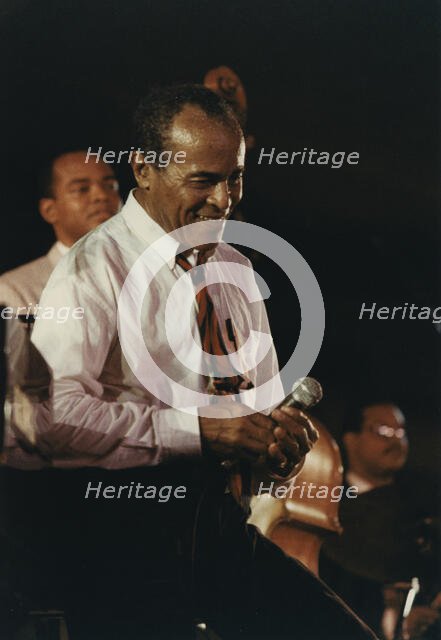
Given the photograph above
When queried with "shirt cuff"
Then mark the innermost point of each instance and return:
(179, 432)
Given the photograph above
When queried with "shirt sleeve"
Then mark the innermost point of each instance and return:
(83, 426)
(9, 297)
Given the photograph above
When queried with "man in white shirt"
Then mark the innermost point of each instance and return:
(75, 197)
(158, 566)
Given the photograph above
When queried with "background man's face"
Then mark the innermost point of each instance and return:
(208, 184)
(372, 452)
(84, 195)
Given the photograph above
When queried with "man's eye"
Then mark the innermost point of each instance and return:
(235, 179)
(201, 183)
(80, 190)
(112, 185)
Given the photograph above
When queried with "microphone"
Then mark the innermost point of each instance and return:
(305, 393)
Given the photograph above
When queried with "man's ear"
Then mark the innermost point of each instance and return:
(141, 170)
(48, 210)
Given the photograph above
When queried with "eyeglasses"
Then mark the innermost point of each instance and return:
(384, 431)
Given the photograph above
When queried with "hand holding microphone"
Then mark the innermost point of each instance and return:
(278, 442)
(294, 434)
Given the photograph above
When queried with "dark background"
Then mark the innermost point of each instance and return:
(330, 75)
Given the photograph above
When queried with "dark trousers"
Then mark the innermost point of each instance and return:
(135, 569)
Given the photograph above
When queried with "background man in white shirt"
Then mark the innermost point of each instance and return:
(148, 568)
(75, 197)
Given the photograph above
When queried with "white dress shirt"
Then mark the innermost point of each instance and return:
(100, 414)
(20, 291)
(22, 287)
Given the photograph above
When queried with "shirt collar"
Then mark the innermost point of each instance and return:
(62, 248)
(143, 225)
(363, 485)
(56, 252)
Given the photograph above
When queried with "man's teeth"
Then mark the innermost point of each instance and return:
(206, 218)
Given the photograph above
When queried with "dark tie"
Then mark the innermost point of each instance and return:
(212, 340)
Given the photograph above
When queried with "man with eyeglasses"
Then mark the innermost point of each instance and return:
(386, 526)
(376, 446)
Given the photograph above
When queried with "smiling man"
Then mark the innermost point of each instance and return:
(208, 185)
(158, 568)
